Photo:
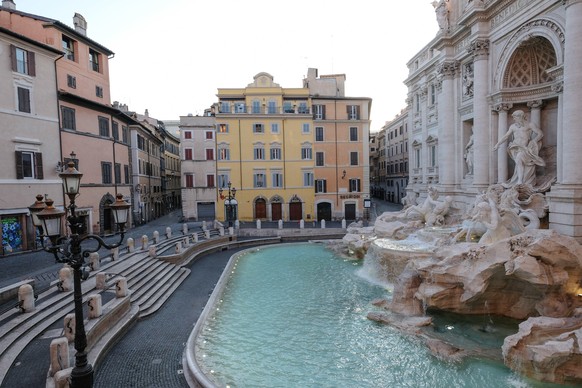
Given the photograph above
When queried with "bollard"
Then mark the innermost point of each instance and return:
(59, 353)
(26, 298)
(168, 232)
(115, 253)
(185, 229)
(156, 237)
(186, 241)
(130, 245)
(65, 279)
(203, 225)
(70, 327)
(207, 234)
(195, 237)
(94, 261)
(230, 231)
(258, 224)
(152, 251)
(95, 306)
(343, 223)
(302, 224)
(121, 288)
(62, 378)
(322, 224)
(144, 242)
(178, 248)
(237, 224)
(221, 231)
(100, 281)
(280, 224)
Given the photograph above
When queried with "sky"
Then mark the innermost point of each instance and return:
(171, 56)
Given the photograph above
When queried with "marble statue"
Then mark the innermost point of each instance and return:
(409, 199)
(426, 207)
(442, 14)
(469, 155)
(523, 148)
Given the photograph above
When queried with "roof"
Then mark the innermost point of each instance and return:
(63, 27)
(30, 41)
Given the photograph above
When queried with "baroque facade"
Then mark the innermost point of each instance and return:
(491, 61)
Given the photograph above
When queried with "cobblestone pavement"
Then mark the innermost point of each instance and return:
(150, 354)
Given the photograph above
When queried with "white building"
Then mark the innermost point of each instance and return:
(490, 59)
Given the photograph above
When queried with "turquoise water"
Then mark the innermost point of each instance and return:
(295, 316)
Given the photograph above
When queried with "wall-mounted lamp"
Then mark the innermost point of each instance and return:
(344, 174)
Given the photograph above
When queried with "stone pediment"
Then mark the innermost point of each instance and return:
(263, 80)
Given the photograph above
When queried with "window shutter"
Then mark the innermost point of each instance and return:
(323, 112)
(357, 112)
(19, 168)
(13, 57)
(325, 185)
(31, 64)
(38, 170)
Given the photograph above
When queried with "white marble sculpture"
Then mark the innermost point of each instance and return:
(523, 148)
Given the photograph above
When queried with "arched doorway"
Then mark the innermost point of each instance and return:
(295, 209)
(260, 209)
(324, 211)
(350, 211)
(276, 208)
(106, 217)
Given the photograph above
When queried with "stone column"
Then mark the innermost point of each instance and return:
(535, 112)
(566, 197)
(446, 107)
(479, 48)
(502, 126)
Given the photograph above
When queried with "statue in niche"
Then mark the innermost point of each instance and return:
(469, 155)
(523, 149)
(468, 80)
(442, 14)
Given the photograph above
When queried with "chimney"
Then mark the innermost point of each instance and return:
(8, 4)
(80, 24)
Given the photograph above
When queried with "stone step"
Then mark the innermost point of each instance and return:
(154, 280)
(154, 303)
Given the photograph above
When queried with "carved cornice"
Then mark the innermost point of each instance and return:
(502, 107)
(479, 48)
(447, 69)
(521, 95)
(535, 104)
(568, 3)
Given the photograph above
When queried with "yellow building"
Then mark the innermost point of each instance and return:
(264, 145)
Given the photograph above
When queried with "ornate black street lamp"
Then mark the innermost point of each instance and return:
(66, 248)
(229, 203)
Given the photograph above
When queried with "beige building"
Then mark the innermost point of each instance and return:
(489, 60)
(30, 148)
(171, 177)
(198, 167)
(395, 141)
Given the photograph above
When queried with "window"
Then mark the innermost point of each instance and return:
(303, 108)
(189, 180)
(224, 107)
(68, 117)
(188, 153)
(187, 134)
(223, 153)
(209, 153)
(318, 133)
(354, 158)
(353, 112)
(353, 133)
(354, 185)
(321, 186)
(432, 98)
(103, 126)
(126, 173)
(22, 61)
(275, 153)
(69, 48)
(306, 152)
(223, 180)
(272, 107)
(256, 106)
(240, 107)
(99, 91)
(71, 81)
(125, 134)
(319, 161)
(319, 112)
(209, 135)
(115, 130)
(223, 128)
(308, 179)
(210, 180)
(432, 155)
(106, 172)
(306, 128)
(417, 157)
(117, 173)
(29, 165)
(277, 178)
(274, 127)
(23, 99)
(258, 128)
(259, 152)
(259, 179)
(94, 60)
(288, 107)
